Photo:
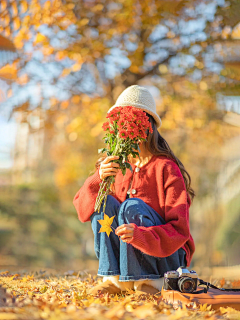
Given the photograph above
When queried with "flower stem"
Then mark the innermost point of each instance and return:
(99, 196)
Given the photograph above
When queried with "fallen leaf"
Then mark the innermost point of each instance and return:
(222, 282)
(205, 307)
(8, 316)
(106, 224)
(4, 272)
(229, 310)
(145, 310)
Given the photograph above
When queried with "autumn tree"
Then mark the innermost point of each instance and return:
(76, 57)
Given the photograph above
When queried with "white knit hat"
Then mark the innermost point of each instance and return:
(139, 97)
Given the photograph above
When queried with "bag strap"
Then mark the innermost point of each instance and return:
(209, 285)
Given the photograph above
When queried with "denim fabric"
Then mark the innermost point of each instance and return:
(120, 258)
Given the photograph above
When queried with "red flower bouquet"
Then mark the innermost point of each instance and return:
(125, 128)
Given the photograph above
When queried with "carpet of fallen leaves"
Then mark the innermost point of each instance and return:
(39, 295)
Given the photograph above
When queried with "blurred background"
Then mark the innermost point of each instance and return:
(63, 64)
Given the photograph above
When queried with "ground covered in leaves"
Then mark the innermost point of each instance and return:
(43, 295)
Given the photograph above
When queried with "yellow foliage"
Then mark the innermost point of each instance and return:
(96, 130)
(98, 7)
(236, 32)
(73, 136)
(60, 55)
(18, 42)
(75, 99)
(203, 85)
(23, 79)
(47, 5)
(76, 67)
(64, 104)
(3, 5)
(40, 38)
(64, 176)
(70, 6)
(47, 51)
(60, 120)
(83, 22)
(74, 125)
(68, 165)
(134, 69)
(66, 72)
(26, 21)
(9, 71)
(53, 101)
(163, 68)
(14, 9)
(5, 20)
(24, 6)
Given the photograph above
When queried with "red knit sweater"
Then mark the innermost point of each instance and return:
(160, 184)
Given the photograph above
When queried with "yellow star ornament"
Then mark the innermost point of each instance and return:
(106, 224)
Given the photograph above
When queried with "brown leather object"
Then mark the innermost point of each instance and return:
(213, 297)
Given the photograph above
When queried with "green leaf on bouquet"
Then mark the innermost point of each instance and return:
(135, 154)
(128, 166)
(102, 150)
(135, 146)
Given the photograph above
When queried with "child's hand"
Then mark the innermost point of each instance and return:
(108, 168)
(125, 231)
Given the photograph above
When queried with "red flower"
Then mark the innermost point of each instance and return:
(121, 123)
(114, 115)
(126, 117)
(135, 112)
(118, 109)
(131, 122)
(132, 125)
(106, 126)
(133, 130)
(123, 134)
(133, 135)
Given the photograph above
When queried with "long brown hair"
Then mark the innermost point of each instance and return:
(158, 146)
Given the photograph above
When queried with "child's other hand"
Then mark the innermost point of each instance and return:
(125, 231)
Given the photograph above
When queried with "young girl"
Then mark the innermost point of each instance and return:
(151, 209)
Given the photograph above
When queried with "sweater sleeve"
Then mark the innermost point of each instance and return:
(84, 200)
(164, 240)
